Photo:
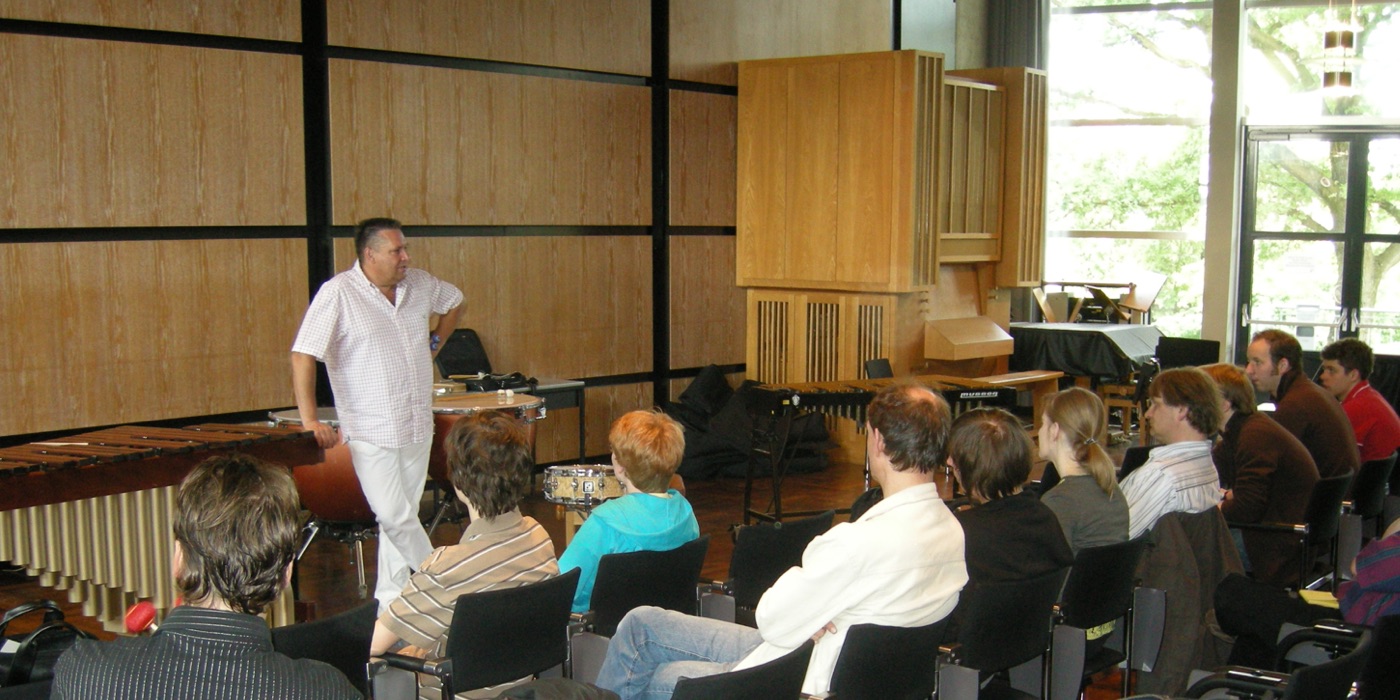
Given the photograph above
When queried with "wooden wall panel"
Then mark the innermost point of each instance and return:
(703, 134)
(707, 308)
(258, 19)
(602, 35)
(118, 134)
(568, 306)
(439, 146)
(708, 36)
(114, 332)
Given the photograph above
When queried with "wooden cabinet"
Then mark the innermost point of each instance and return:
(865, 172)
(829, 193)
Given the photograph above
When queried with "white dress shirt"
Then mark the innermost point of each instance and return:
(1177, 478)
(377, 353)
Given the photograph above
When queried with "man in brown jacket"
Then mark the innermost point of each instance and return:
(1304, 408)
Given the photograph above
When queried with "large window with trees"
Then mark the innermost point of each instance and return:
(1130, 100)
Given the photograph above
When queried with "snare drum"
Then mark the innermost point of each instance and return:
(582, 486)
(447, 410)
(330, 489)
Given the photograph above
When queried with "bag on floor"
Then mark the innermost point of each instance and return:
(28, 658)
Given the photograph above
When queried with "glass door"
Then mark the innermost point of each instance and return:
(1320, 247)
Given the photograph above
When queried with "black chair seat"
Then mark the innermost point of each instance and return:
(898, 663)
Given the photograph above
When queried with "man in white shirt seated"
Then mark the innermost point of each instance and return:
(901, 564)
(1179, 476)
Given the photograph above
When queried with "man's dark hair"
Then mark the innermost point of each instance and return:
(914, 423)
(489, 459)
(991, 451)
(1351, 354)
(1282, 346)
(238, 523)
(1194, 389)
(368, 230)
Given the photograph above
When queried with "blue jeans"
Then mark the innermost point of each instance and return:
(654, 648)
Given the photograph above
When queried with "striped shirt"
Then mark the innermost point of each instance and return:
(197, 653)
(377, 353)
(502, 552)
(1177, 478)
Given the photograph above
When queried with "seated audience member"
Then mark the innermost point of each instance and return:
(647, 446)
(1091, 510)
(491, 466)
(1254, 611)
(1010, 534)
(1304, 408)
(1267, 475)
(237, 526)
(1346, 371)
(1184, 411)
(900, 564)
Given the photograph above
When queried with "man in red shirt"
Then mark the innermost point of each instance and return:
(1346, 366)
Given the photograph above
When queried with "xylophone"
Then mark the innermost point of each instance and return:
(849, 399)
(91, 513)
(773, 406)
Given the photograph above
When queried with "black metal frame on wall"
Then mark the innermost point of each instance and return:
(319, 231)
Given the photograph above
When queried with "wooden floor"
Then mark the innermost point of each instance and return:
(326, 574)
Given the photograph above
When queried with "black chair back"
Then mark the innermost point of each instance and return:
(765, 551)
(1134, 457)
(878, 368)
(1381, 676)
(1186, 352)
(1101, 581)
(1331, 680)
(341, 640)
(888, 662)
(779, 679)
(1371, 487)
(1006, 624)
(663, 579)
(1049, 478)
(38, 690)
(463, 354)
(502, 635)
(1324, 512)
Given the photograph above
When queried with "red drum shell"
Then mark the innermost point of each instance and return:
(447, 410)
(329, 489)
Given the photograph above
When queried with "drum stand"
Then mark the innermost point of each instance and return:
(352, 534)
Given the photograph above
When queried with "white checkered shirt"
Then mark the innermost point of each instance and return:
(377, 353)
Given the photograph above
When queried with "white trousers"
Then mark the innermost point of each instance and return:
(393, 481)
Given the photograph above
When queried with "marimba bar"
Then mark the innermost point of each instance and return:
(91, 514)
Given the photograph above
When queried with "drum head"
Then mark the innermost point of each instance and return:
(472, 403)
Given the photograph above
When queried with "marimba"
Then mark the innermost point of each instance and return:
(91, 513)
(772, 407)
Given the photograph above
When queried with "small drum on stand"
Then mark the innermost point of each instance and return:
(448, 409)
(332, 492)
(578, 489)
(582, 486)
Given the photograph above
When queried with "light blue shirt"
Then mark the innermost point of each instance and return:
(633, 523)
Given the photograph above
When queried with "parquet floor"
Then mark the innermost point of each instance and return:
(326, 575)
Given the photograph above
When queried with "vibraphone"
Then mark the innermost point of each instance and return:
(773, 406)
(91, 514)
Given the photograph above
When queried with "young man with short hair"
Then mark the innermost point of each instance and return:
(1346, 374)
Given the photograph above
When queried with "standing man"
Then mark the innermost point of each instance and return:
(1184, 411)
(900, 564)
(1346, 371)
(1304, 408)
(369, 325)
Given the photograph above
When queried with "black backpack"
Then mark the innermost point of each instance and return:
(38, 651)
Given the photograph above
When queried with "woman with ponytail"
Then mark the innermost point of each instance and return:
(1091, 509)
